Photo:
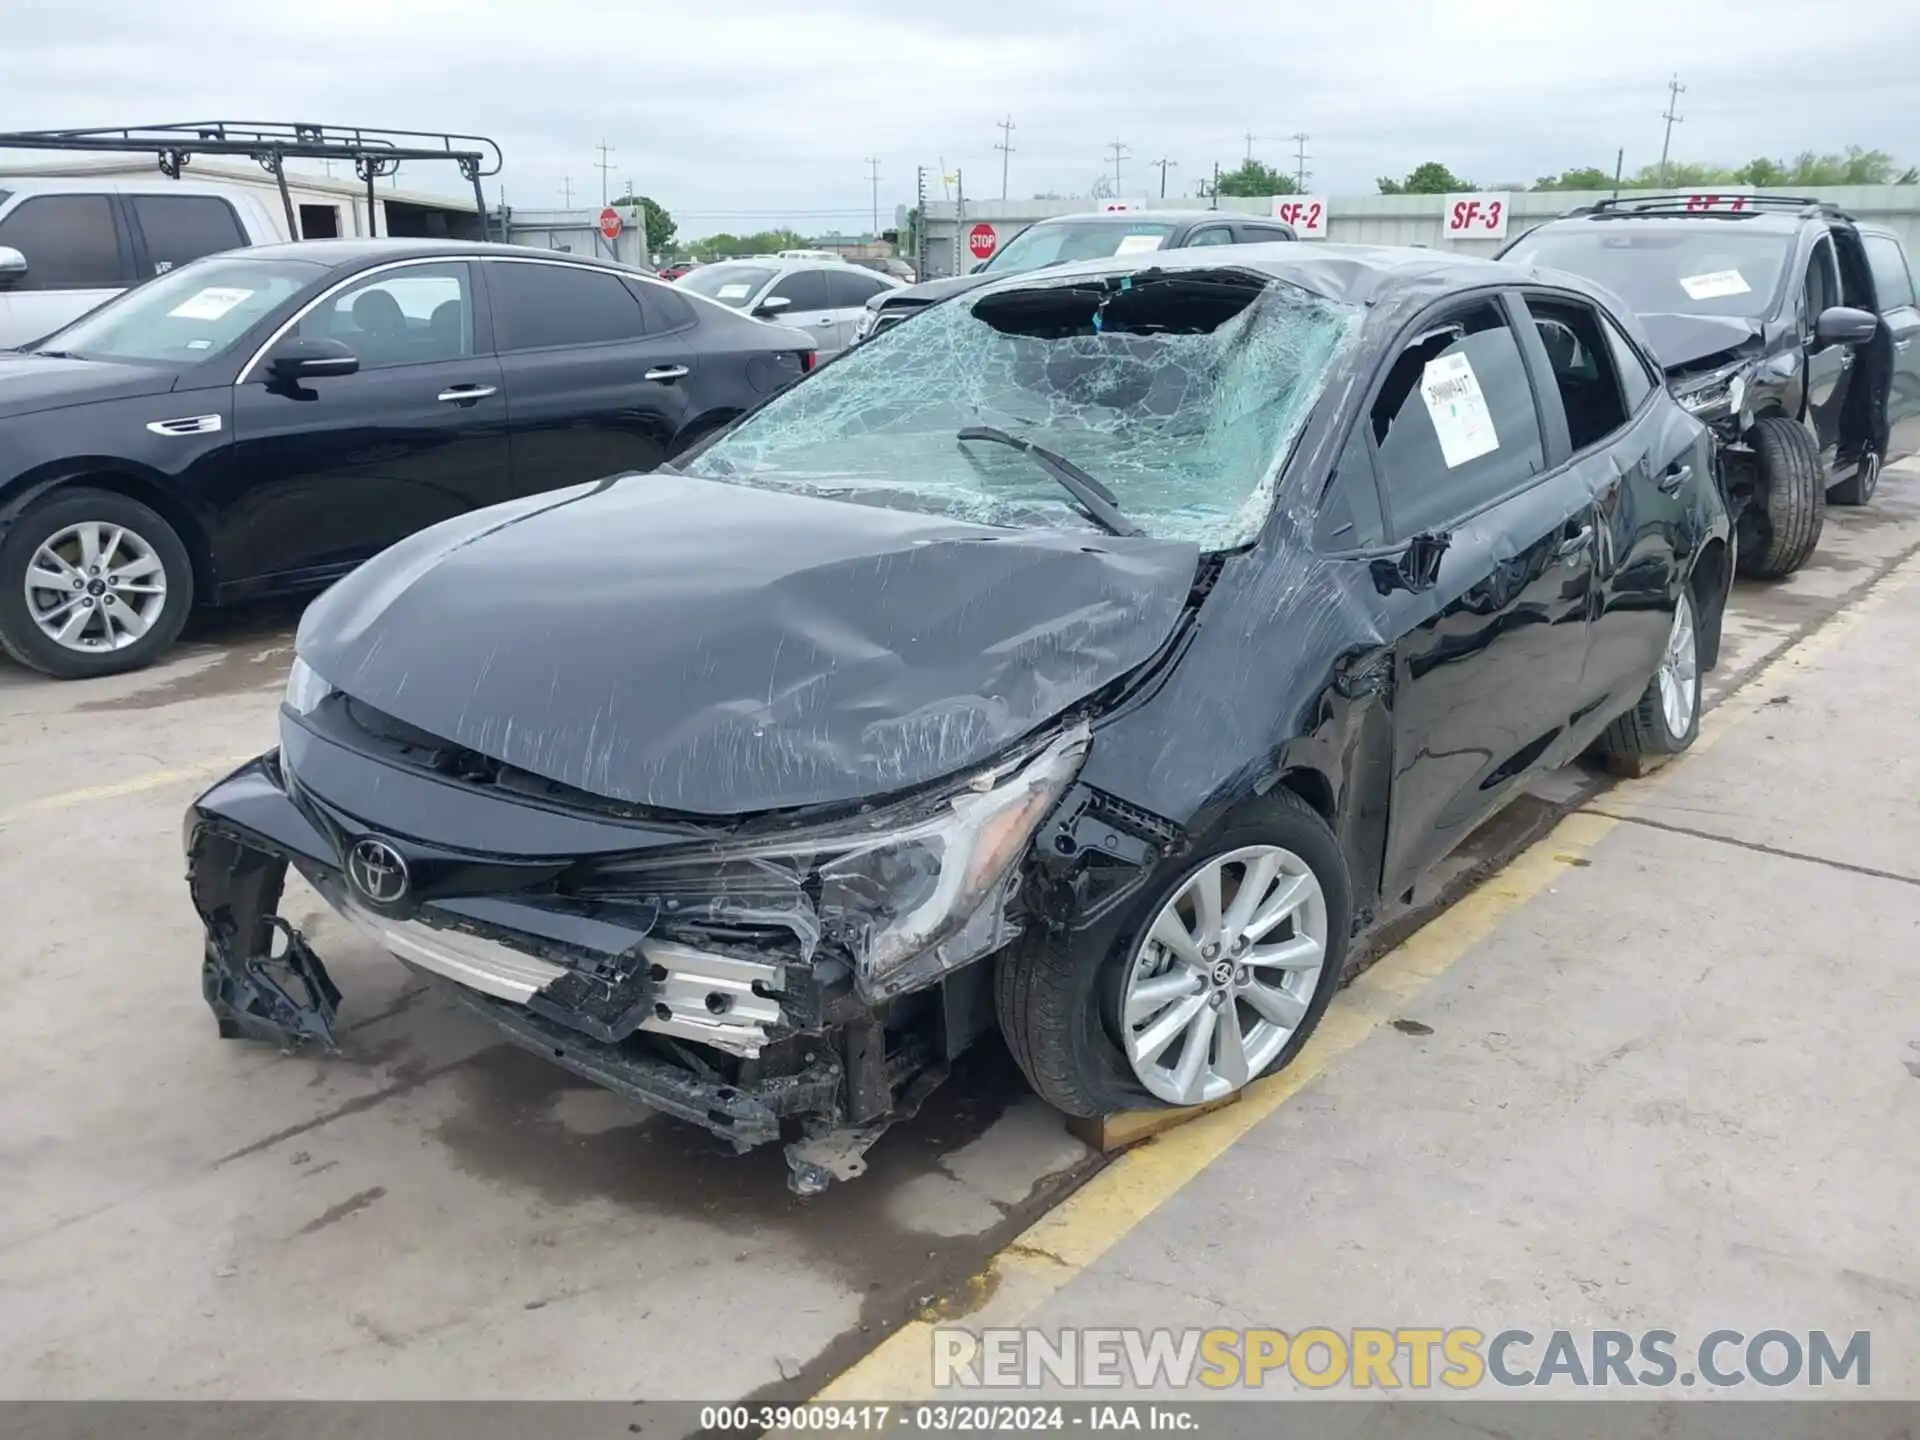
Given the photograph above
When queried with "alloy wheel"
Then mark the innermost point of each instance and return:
(1679, 671)
(1225, 974)
(95, 586)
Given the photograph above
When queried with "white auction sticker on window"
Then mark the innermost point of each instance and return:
(1715, 284)
(1458, 409)
(209, 304)
(1134, 244)
(735, 291)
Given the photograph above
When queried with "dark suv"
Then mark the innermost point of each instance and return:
(1784, 324)
(1067, 238)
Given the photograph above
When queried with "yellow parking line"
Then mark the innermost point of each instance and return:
(1061, 1244)
(114, 790)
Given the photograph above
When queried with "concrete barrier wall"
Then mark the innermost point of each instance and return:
(1386, 219)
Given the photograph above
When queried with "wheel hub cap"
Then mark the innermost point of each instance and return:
(1679, 670)
(94, 587)
(1224, 975)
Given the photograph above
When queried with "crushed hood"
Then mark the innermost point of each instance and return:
(1681, 342)
(685, 644)
(41, 382)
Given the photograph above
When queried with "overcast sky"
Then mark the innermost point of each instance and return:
(737, 114)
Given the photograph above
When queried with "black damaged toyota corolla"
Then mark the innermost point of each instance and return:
(1086, 659)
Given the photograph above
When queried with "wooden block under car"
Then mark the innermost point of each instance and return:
(1108, 1133)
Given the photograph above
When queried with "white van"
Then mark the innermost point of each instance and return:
(66, 245)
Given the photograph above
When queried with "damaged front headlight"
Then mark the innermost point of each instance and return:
(1714, 396)
(908, 893)
(305, 688)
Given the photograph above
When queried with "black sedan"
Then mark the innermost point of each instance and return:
(1088, 657)
(263, 421)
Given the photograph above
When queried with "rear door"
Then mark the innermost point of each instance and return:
(849, 288)
(1893, 285)
(79, 254)
(1488, 665)
(590, 393)
(1829, 367)
(170, 230)
(333, 469)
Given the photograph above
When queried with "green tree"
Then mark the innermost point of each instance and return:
(661, 228)
(1583, 177)
(1252, 177)
(1432, 178)
(763, 242)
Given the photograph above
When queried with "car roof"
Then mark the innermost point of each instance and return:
(1635, 222)
(778, 266)
(1353, 274)
(355, 252)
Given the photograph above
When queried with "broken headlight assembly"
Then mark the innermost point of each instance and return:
(907, 892)
(305, 688)
(1715, 395)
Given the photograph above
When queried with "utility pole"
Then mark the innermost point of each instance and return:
(1250, 137)
(566, 191)
(603, 167)
(1214, 202)
(873, 174)
(1674, 91)
(1619, 163)
(1120, 152)
(1163, 163)
(1300, 171)
(1005, 146)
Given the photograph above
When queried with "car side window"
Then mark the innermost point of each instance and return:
(179, 228)
(1583, 368)
(1454, 423)
(1350, 517)
(1892, 280)
(1262, 235)
(538, 306)
(417, 315)
(1823, 282)
(70, 241)
(1212, 235)
(853, 288)
(804, 289)
(1636, 383)
(664, 310)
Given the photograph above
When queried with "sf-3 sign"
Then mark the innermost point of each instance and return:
(1475, 217)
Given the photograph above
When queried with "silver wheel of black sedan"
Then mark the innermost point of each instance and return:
(95, 586)
(1225, 974)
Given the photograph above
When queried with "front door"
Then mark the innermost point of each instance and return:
(589, 392)
(78, 253)
(1828, 366)
(1893, 286)
(1488, 668)
(810, 307)
(333, 469)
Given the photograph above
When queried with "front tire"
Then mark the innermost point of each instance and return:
(1219, 977)
(91, 583)
(1667, 718)
(1781, 526)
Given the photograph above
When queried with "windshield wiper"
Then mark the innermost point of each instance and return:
(54, 354)
(1096, 499)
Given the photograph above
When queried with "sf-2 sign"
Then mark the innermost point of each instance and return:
(1475, 217)
(1307, 214)
(982, 241)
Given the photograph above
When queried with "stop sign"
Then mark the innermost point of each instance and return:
(982, 241)
(610, 223)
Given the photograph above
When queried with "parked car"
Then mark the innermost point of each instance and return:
(822, 297)
(69, 245)
(1780, 321)
(1089, 658)
(676, 269)
(889, 265)
(1067, 238)
(264, 420)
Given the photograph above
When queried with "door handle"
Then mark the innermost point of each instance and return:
(1574, 543)
(1677, 475)
(666, 372)
(457, 394)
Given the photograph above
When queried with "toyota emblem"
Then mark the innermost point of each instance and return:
(377, 871)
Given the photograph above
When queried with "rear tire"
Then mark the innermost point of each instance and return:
(147, 565)
(1779, 529)
(1064, 1014)
(1667, 718)
(1858, 488)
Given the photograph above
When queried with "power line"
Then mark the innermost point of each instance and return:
(1300, 171)
(1005, 146)
(1674, 91)
(1162, 164)
(603, 166)
(1119, 152)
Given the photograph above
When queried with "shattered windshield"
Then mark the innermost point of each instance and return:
(1715, 269)
(1179, 392)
